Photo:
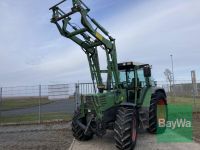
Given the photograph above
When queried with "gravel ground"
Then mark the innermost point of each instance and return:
(196, 126)
(36, 137)
(58, 137)
(145, 141)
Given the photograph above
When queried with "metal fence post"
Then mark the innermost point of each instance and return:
(1, 101)
(39, 108)
(194, 87)
(77, 94)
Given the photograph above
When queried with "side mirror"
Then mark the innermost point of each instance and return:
(147, 71)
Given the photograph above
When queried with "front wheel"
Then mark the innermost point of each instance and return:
(78, 132)
(125, 128)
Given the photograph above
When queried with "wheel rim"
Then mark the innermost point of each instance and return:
(161, 102)
(161, 110)
(134, 131)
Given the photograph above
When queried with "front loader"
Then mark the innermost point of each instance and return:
(126, 99)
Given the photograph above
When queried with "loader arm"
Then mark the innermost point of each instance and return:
(90, 37)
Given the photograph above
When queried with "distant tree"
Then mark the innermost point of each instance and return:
(169, 77)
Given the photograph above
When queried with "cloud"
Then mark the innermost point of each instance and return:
(32, 50)
(167, 28)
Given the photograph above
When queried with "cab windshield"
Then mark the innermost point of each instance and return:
(126, 76)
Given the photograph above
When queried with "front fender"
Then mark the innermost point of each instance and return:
(161, 90)
(127, 104)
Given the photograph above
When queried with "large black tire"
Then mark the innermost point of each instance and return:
(78, 132)
(125, 128)
(158, 102)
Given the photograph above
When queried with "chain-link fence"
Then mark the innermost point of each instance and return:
(40, 103)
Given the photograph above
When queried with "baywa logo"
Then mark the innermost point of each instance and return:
(178, 123)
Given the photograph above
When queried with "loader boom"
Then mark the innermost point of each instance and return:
(90, 37)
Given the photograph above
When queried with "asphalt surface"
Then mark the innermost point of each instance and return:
(66, 106)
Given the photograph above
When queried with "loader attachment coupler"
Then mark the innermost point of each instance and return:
(90, 36)
(90, 25)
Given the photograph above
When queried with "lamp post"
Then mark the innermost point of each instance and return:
(173, 88)
(172, 62)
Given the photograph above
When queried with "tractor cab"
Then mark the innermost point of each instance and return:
(135, 78)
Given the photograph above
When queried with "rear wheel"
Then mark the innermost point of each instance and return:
(78, 132)
(157, 112)
(125, 128)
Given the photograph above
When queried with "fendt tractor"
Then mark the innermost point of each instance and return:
(125, 98)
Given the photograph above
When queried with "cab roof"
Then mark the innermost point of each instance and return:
(131, 65)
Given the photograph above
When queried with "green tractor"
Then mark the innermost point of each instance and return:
(126, 100)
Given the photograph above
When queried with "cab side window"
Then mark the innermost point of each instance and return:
(141, 77)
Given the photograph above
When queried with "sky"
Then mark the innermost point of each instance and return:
(33, 52)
